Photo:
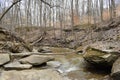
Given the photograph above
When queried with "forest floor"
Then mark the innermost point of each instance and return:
(108, 31)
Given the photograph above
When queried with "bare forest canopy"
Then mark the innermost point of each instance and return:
(56, 13)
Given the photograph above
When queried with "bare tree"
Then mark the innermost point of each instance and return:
(113, 8)
(101, 9)
(9, 9)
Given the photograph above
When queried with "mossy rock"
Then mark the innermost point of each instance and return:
(100, 58)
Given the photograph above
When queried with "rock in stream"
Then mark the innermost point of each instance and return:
(36, 60)
(99, 57)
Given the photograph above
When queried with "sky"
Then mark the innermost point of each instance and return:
(9, 2)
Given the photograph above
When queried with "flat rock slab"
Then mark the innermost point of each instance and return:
(36, 60)
(17, 66)
(47, 74)
(4, 58)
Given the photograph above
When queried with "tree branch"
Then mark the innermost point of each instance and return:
(21, 0)
(9, 9)
(46, 3)
(51, 6)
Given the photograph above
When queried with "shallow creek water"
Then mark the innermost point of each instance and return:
(74, 66)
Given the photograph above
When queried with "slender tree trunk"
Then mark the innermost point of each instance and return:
(101, 9)
(113, 8)
(72, 17)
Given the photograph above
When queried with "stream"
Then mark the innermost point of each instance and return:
(74, 67)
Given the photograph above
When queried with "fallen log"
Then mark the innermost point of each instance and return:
(39, 38)
(12, 37)
(109, 25)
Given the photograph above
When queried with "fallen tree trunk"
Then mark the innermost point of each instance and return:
(12, 37)
(109, 25)
(39, 39)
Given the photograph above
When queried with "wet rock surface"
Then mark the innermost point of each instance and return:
(54, 64)
(47, 74)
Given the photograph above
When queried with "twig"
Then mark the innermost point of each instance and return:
(51, 6)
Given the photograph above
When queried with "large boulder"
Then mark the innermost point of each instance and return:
(47, 74)
(115, 72)
(99, 57)
(36, 60)
(17, 66)
(4, 58)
